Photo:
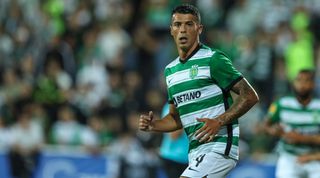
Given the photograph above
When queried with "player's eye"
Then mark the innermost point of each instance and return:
(189, 24)
(176, 24)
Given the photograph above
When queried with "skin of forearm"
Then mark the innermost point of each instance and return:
(316, 156)
(316, 140)
(272, 129)
(312, 139)
(246, 99)
(166, 124)
(309, 157)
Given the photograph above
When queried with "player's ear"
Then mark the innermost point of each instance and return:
(200, 28)
(171, 32)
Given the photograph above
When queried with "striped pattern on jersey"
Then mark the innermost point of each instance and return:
(294, 117)
(197, 95)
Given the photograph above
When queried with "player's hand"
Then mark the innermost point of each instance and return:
(276, 130)
(145, 122)
(207, 132)
(293, 137)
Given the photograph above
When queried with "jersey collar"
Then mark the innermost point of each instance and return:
(193, 52)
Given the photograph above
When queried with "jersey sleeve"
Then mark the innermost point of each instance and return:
(223, 72)
(273, 112)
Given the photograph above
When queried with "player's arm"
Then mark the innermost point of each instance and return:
(271, 128)
(227, 78)
(168, 123)
(298, 138)
(309, 157)
(246, 99)
(271, 122)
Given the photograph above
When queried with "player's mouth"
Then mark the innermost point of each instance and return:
(183, 40)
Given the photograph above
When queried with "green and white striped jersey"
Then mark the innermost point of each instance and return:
(199, 87)
(295, 117)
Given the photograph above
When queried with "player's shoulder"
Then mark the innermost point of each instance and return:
(172, 63)
(288, 101)
(292, 102)
(214, 53)
(204, 52)
(285, 99)
(315, 104)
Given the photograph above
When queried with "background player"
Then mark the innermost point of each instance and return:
(295, 119)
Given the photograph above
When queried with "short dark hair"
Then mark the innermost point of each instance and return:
(187, 9)
(311, 72)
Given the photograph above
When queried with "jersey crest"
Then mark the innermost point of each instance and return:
(193, 71)
(316, 116)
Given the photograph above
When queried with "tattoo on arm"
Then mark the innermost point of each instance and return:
(247, 98)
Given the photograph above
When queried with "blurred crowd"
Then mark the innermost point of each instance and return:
(79, 73)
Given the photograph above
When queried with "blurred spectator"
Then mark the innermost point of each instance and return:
(280, 13)
(54, 69)
(80, 16)
(263, 67)
(27, 140)
(118, 10)
(299, 53)
(114, 127)
(146, 46)
(13, 87)
(91, 86)
(116, 96)
(154, 100)
(158, 14)
(246, 58)
(136, 160)
(55, 8)
(90, 136)
(27, 69)
(66, 130)
(52, 87)
(133, 88)
(39, 116)
(5, 136)
(6, 46)
(113, 41)
(99, 127)
(225, 40)
(244, 12)
(12, 90)
(89, 50)
(59, 49)
(212, 12)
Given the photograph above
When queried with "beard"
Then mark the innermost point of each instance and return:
(303, 95)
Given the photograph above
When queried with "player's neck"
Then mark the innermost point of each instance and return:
(304, 100)
(185, 54)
